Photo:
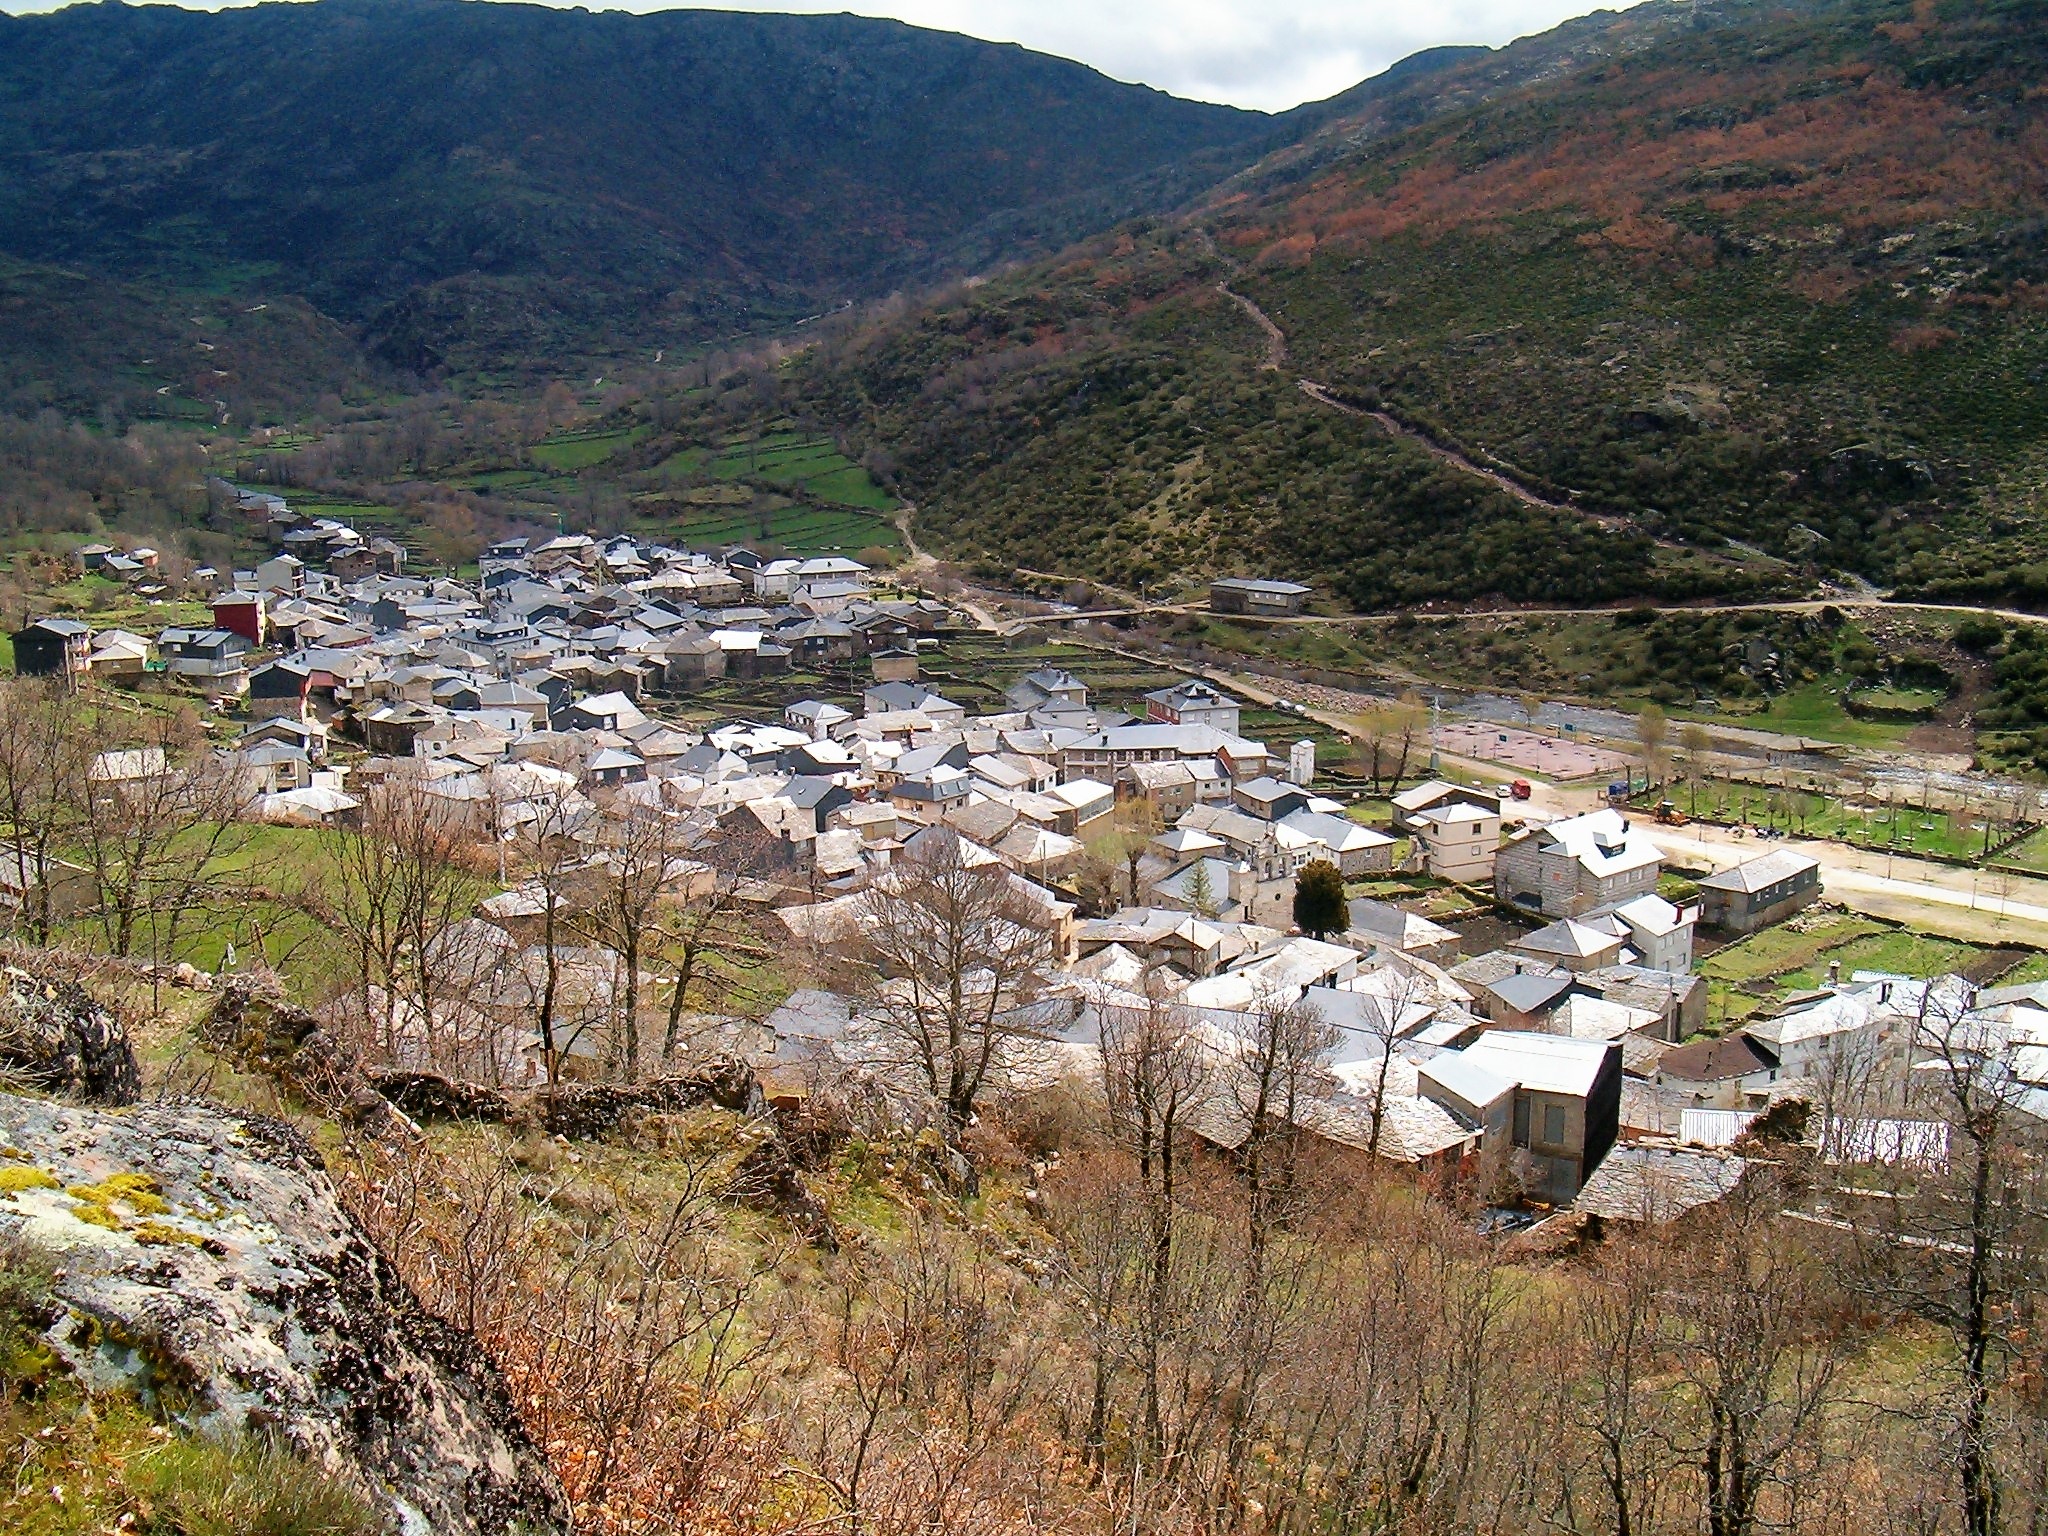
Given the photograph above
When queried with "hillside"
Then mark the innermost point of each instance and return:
(1752, 294)
(506, 185)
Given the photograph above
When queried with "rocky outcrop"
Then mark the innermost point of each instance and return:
(267, 1034)
(53, 1036)
(262, 1032)
(208, 1267)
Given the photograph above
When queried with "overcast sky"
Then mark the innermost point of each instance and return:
(1254, 53)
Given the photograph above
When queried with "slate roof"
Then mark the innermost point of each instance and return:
(1657, 1185)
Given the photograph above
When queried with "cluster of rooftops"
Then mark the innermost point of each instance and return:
(532, 690)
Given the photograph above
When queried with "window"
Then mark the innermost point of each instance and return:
(1553, 1124)
(1521, 1122)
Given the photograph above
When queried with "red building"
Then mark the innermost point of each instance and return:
(240, 613)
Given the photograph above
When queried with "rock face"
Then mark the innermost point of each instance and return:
(208, 1264)
(53, 1036)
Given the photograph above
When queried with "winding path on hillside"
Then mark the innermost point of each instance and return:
(926, 565)
(1324, 395)
(1276, 339)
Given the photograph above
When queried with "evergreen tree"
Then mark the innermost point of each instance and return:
(1319, 908)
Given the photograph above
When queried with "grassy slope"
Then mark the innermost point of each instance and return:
(1742, 282)
(1110, 418)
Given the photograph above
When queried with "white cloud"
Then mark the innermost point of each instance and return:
(1271, 54)
(1254, 53)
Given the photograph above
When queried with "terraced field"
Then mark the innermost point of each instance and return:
(785, 487)
(1751, 974)
(807, 463)
(799, 529)
(568, 452)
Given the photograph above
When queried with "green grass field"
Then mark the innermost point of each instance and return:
(1371, 812)
(571, 451)
(1919, 701)
(1786, 948)
(1900, 952)
(1815, 709)
(2033, 968)
(1906, 828)
(1747, 976)
(2031, 854)
(110, 605)
(1280, 730)
(809, 465)
(802, 530)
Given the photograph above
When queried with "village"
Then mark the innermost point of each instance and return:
(961, 907)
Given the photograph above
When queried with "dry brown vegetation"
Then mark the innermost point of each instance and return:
(1127, 1331)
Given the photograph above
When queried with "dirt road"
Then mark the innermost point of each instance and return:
(1276, 339)
(1980, 905)
(1323, 395)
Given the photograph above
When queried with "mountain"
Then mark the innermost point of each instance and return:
(488, 184)
(1741, 294)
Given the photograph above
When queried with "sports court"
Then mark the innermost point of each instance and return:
(1548, 757)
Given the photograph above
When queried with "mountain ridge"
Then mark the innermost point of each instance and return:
(1761, 281)
(557, 176)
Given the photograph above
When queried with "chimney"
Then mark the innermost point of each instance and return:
(1834, 973)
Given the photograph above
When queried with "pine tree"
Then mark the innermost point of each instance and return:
(1319, 908)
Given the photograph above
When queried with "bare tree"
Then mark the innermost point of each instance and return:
(1136, 823)
(1156, 1078)
(1610, 1398)
(1280, 1074)
(157, 815)
(1653, 730)
(641, 851)
(44, 750)
(1383, 1018)
(953, 957)
(703, 936)
(1099, 1215)
(1739, 1324)
(1958, 1234)
(397, 885)
(934, 1372)
(1696, 742)
(1369, 746)
(1408, 721)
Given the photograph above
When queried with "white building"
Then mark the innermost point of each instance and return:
(1570, 867)
(1459, 841)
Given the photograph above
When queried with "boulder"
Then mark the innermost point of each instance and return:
(53, 1036)
(208, 1267)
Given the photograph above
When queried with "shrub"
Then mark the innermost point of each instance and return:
(1978, 634)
